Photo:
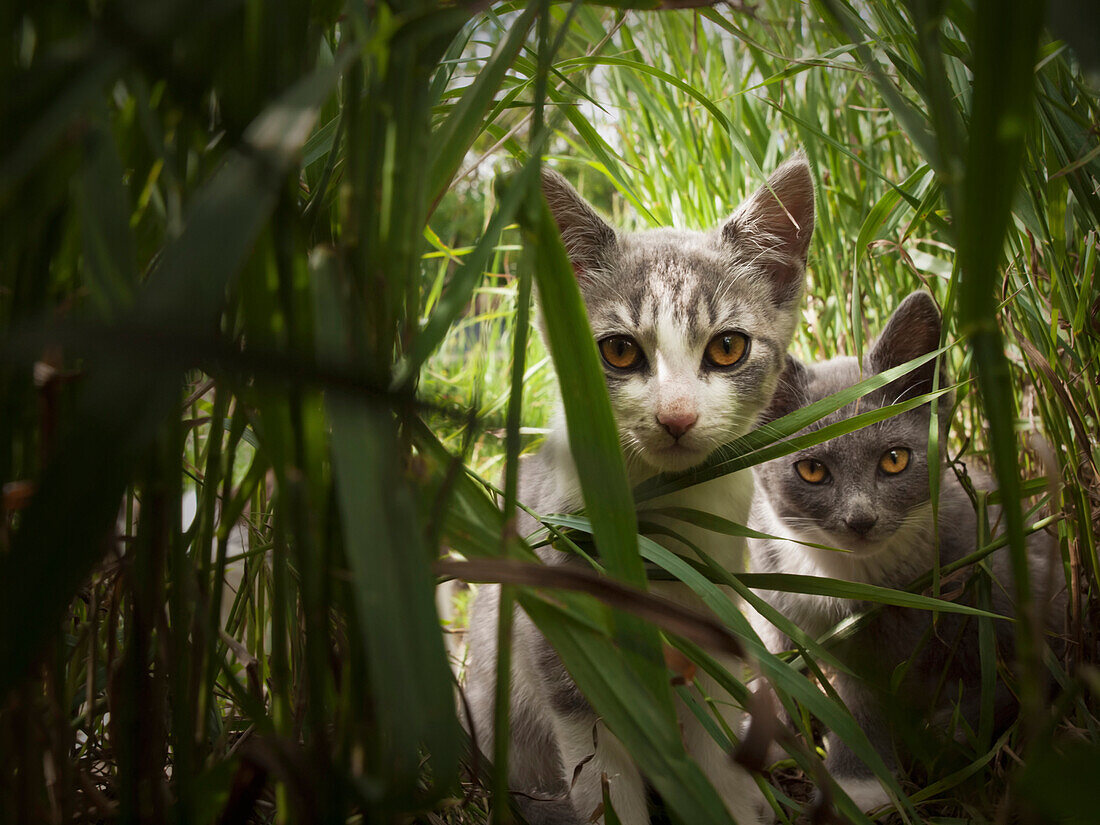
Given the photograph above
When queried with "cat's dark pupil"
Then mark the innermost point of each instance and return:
(621, 347)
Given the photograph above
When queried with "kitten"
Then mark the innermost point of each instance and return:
(692, 329)
(867, 493)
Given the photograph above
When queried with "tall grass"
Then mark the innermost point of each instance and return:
(265, 278)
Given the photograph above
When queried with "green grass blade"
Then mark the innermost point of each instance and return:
(858, 591)
(1005, 51)
(735, 457)
(104, 206)
(122, 406)
(453, 138)
(660, 74)
(410, 680)
(593, 435)
(456, 297)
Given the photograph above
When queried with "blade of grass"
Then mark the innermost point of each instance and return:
(1004, 60)
(593, 436)
(764, 443)
(120, 411)
(390, 578)
(453, 138)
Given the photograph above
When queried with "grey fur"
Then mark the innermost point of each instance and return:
(897, 547)
(669, 290)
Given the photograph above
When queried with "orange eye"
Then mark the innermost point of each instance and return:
(812, 471)
(621, 352)
(726, 349)
(894, 461)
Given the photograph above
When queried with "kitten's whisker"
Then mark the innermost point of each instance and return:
(904, 392)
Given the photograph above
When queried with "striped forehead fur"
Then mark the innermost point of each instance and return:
(693, 277)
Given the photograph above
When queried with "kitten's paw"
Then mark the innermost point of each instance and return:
(765, 815)
(547, 811)
(754, 810)
(868, 794)
(745, 801)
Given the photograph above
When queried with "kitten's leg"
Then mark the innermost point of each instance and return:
(586, 749)
(534, 764)
(583, 738)
(860, 784)
(854, 777)
(735, 786)
(535, 773)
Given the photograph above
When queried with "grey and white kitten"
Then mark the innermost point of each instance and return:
(867, 493)
(693, 330)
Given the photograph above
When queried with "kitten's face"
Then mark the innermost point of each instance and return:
(855, 492)
(692, 327)
(691, 353)
(867, 490)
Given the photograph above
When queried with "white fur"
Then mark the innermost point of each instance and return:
(609, 758)
(868, 794)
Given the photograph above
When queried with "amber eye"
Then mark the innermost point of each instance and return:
(812, 471)
(621, 352)
(894, 461)
(726, 349)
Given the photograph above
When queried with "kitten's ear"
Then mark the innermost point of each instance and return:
(913, 330)
(587, 239)
(774, 226)
(790, 391)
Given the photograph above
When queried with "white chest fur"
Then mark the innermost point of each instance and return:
(814, 614)
(727, 497)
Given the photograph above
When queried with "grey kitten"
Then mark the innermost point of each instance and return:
(692, 329)
(867, 493)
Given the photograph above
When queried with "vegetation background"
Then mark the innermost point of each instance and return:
(265, 287)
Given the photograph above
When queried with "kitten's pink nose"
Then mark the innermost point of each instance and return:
(677, 423)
